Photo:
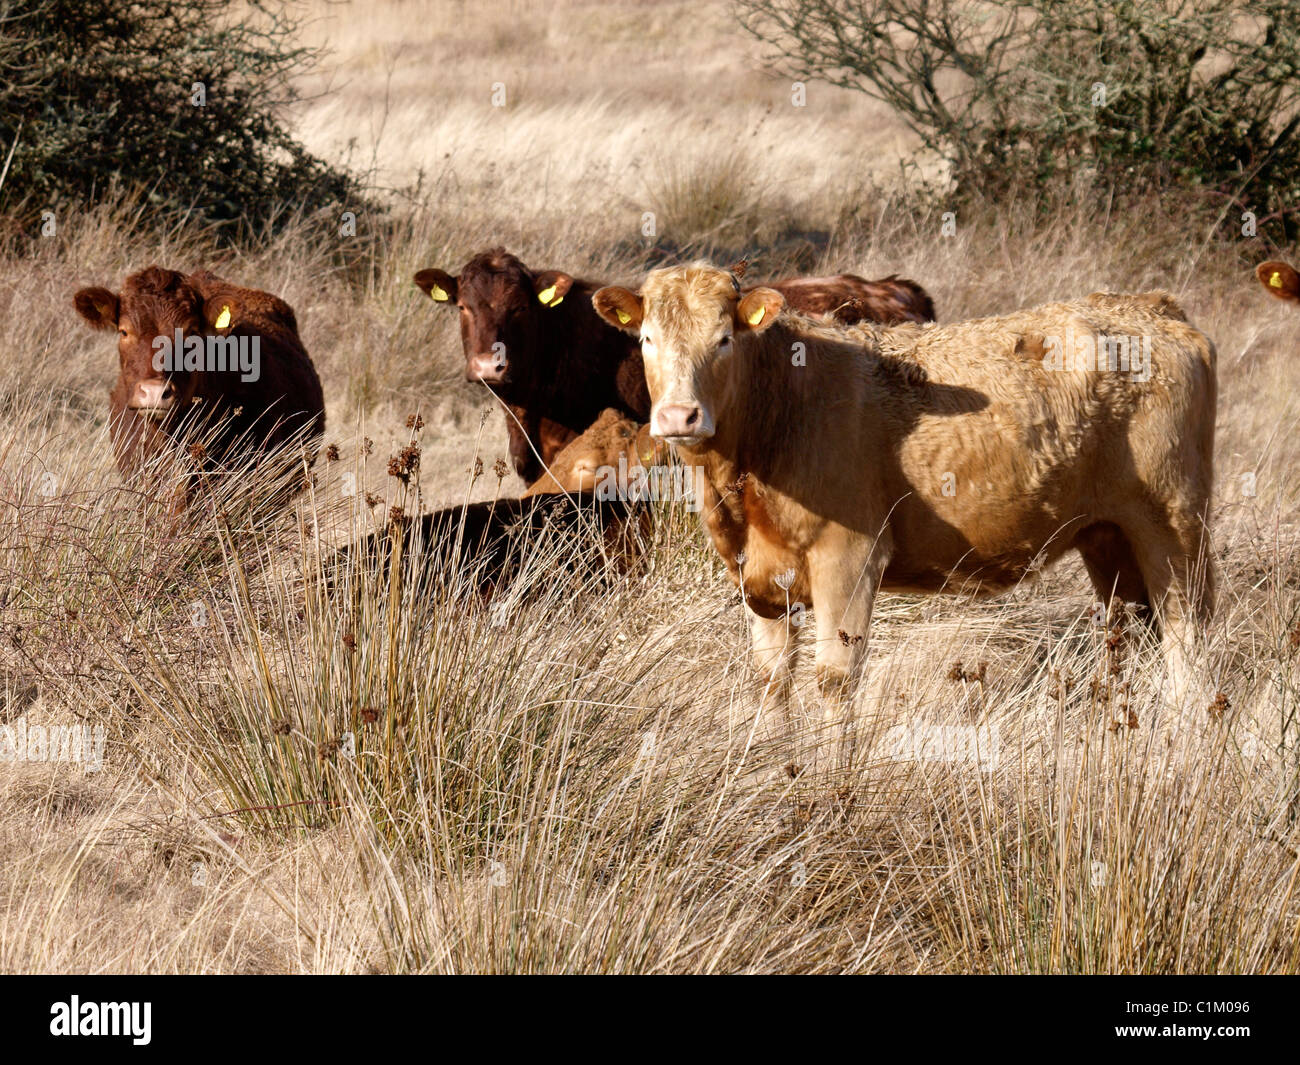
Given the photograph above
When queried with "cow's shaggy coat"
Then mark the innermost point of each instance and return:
(943, 458)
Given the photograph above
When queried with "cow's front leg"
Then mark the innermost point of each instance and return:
(774, 644)
(844, 570)
(774, 647)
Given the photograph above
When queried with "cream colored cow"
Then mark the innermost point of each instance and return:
(930, 459)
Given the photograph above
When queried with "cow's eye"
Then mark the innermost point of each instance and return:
(724, 343)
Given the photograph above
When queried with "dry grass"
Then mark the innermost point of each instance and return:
(588, 779)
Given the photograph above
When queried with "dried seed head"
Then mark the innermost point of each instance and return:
(405, 463)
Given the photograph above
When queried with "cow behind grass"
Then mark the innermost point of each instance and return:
(496, 545)
(201, 359)
(610, 440)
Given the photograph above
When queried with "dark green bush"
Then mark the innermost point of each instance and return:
(1113, 96)
(99, 95)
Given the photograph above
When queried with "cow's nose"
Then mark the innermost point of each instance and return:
(489, 367)
(684, 421)
(153, 395)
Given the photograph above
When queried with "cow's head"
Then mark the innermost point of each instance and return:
(690, 320)
(610, 440)
(503, 310)
(1280, 280)
(151, 307)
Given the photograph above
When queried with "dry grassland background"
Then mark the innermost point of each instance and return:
(586, 779)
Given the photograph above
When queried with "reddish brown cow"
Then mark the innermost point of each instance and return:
(535, 340)
(197, 352)
(533, 337)
(849, 299)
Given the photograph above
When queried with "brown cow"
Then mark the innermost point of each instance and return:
(1280, 280)
(533, 337)
(197, 352)
(958, 457)
(610, 437)
(849, 299)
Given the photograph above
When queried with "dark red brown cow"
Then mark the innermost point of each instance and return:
(849, 299)
(198, 353)
(533, 337)
(491, 544)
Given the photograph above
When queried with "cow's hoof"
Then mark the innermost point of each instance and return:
(832, 681)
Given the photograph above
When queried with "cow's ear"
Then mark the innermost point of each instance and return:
(98, 306)
(219, 312)
(552, 286)
(619, 307)
(758, 309)
(1280, 280)
(649, 451)
(438, 286)
(851, 312)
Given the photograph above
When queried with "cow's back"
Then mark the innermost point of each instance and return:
(849, 299)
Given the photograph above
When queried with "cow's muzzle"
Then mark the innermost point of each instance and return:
(153, 398)
(491, 369)
(683, 424)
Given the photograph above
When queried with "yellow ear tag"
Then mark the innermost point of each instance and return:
(439, 294)
(223, 319)
(755, 317)
(1276, 280)
(547, 294)
(623, 316)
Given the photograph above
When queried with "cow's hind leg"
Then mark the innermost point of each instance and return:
(1113, 568)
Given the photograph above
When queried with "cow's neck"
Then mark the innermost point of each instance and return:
(594, 354)
(760, 419)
